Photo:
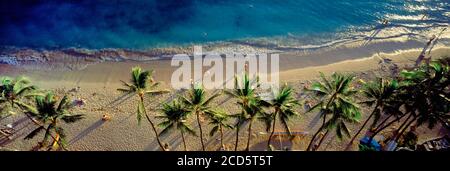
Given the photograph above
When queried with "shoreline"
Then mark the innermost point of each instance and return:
(362, 44)
(98, 85)
(293, 66)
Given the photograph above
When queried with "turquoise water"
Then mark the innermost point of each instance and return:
(159, 23)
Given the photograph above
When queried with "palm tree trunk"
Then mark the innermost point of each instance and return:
(156, 132)
(384, 127)
(323, 123)
(404, 129)
(221, 137)
(237, 134)
(313, 138)
(382, 123)
(249, 135)
(403, 124)
(362, 127)
(153, 125)
(321, 140)
(184, 141)
(273, 129)
(317, 133)
(201, 131)
(40, 124)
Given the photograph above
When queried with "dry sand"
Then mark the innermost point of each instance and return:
(98, 84)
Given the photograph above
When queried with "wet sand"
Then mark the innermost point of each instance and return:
(293, 66)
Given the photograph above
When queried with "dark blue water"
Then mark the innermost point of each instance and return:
(157, 23)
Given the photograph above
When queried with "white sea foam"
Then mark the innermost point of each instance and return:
(391, 17)
(9, 60)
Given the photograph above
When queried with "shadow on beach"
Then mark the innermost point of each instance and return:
(16, 131)
(87, 131)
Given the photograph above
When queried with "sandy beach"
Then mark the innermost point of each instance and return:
(97, 84)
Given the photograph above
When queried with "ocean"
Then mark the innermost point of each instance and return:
(143, 24)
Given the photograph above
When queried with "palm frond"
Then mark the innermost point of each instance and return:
(156, 92)
(188, 129)
(123, 90)
(72, 118)
(48, 133)
(21, 90)
(207, 101)
(63, 104)
(214, 130)
(166, 129)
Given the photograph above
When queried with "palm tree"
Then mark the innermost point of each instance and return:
(426, 89)
(14, 91)
(49, 113)
(219, 120)
(424, 97)
(379, 94)
(251, 112)
(142, 84)
(335, 98)
(284, 104)
(198, 104)
(248, 100)
(175, 116)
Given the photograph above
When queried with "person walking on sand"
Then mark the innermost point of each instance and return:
(385, 22)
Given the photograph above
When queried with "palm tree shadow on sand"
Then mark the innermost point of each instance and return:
(120, 100)
(176, 140)
(278, 145)
(17, 132)
(87, 131)
(374, 34)
(153, 145)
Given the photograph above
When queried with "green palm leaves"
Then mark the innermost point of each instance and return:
(48, 113)
(175, 116)
(245, 92)
(284, 104)
(425, 94)
(13, 91)
(198, 104)
(379, 95)
(335, 98)
(142, 84)
(220, 122)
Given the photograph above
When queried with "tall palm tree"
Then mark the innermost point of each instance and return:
(335, 98)
(142, 84)
(49, 112)
(253, 111)
(426, 89)
(174, 117)
(284, 104)
(379, 94)
(424, 96)
(245, 93)
(198, 104)
(219, 120)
